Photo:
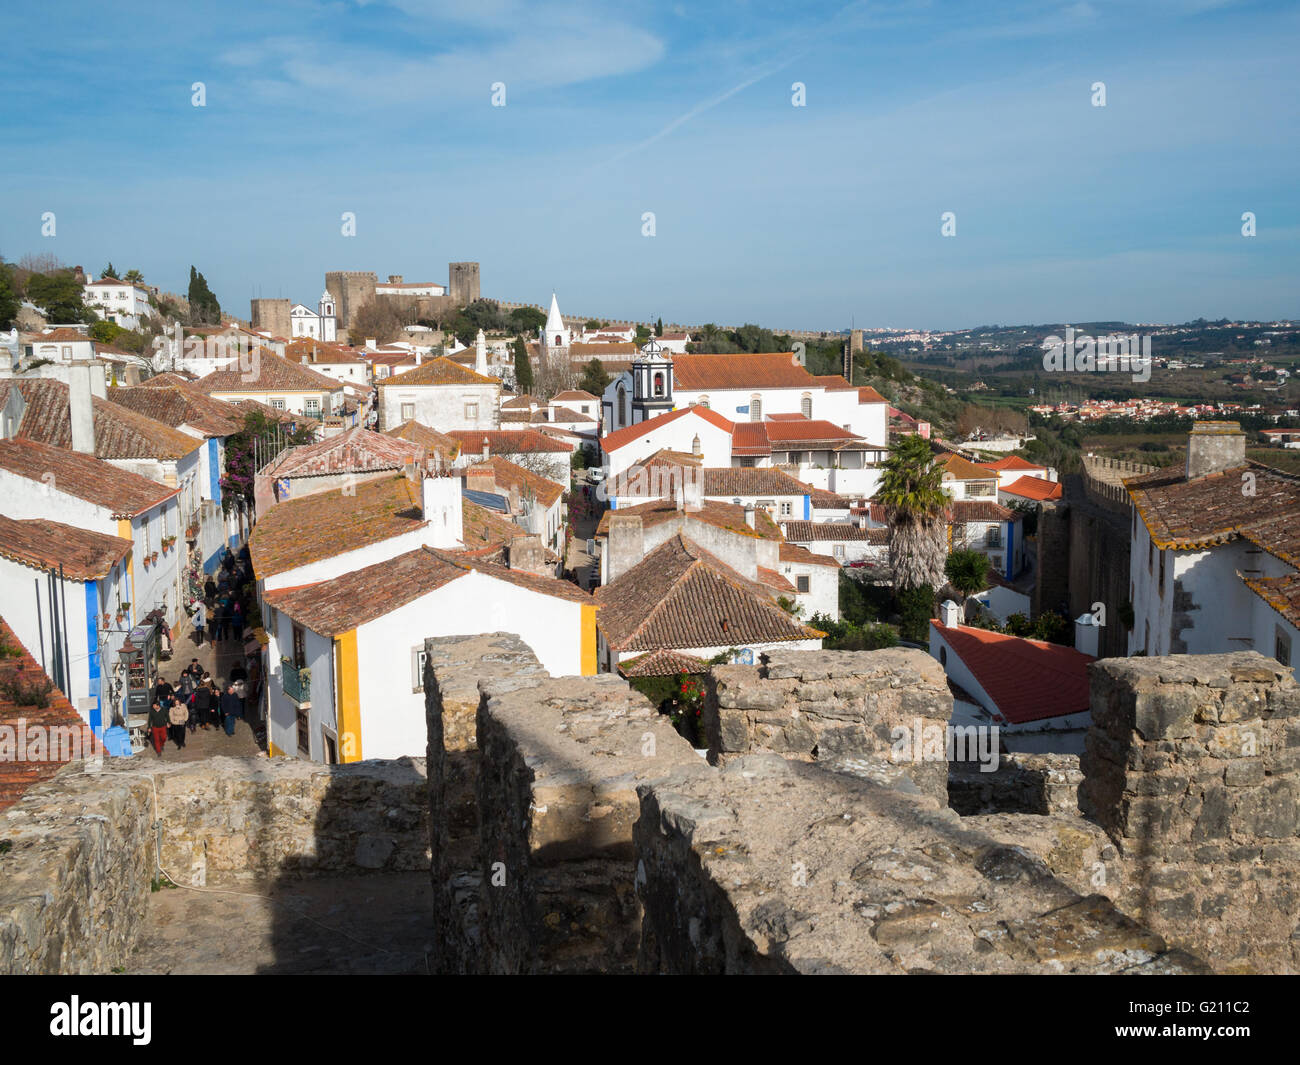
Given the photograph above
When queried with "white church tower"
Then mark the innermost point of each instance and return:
(555, 335)
(328, 323)
(480, 354)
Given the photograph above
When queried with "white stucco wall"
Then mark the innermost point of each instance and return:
(441, 407)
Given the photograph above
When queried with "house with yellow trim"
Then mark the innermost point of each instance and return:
(350, 682)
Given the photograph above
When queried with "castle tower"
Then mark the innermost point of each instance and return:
(652, 382)
(462, 283)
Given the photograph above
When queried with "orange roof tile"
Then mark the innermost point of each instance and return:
(439, 371)
(122, 494)
(1033, 488)
(44, 545)
(708, 373)
(629, 433)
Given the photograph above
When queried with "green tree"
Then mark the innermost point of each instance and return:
(134, 276)
(642, 335)
(967, 571)
(9, 303)
(105, 332)
(527, 320)
(204, 308)
(592, 325)
(595, 379)
(109, 272)
(523, 368)
(659, 328)
(915, 609)
(59, 295)
(911, 488)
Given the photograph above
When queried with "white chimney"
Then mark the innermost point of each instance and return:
(1087, 634)
(950, 614)
(487, 451)
(370, 343)
(441, 500)
(749, 515)
(480, 354)
(81, 411)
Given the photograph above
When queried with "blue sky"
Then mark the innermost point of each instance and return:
(794, 217)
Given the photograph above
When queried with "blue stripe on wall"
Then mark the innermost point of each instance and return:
(1011, 550)
(92, 648)
(807, 508)
(214, 469)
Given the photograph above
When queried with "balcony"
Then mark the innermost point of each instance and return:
(296, 682)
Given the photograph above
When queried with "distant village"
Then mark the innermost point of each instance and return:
(640, 509)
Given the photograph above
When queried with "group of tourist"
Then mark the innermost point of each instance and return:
(196, 701)
(220, 614)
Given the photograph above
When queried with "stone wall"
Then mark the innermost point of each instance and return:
(84, 848)
(818, 705)
(1192, 767)
(1022, 783)
(76, 874)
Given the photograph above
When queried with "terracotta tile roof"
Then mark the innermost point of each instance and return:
(42, 544)
(508, 442)
(1281, 593)
(579, 351)
(750, 439)
(956, 468)
(284, 417)
(522, 417)
(963, 510)
(507, 474)
(708, 373)
(434, 441)
(807, 532)
(517, 402)
(1279, 536)
(713, 512)
(824, 500)
(113, 282)
(574, 395)
(801, 555)
(325, 524)
(552, 586)
(319, 351)
(64, 335)
(122, 494)
(663, 663)
(439, 371)
(775, 581)
(17, 772)
(751, 481)
(806, 431)
(120, 433)
(272, 374)
(177, 405)
(1028, 680)
(630, 433)
(169, 379)
(482, 530)
(565, 414)
(867, 394)
(1033, 488)
(1189, 515)
(832, 382)
(357, 450)
(681, 596)
(1012, 462)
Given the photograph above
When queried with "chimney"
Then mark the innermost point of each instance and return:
(480, 354)
(749, 515)
(693, 488)
(1213, 447)
(950, 614)
(625, 544)
(480, 479)
(513, 494)
(81, 409)
(526, 553)
(1087, 634)
(487, 450)
(304, 360)
(441, 503)
(370, 343)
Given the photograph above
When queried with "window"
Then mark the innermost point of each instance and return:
(993, 536)
(471, 410)
(558, 342)
(805, 405)
(1150, 549)
(622, 405)
(659, 383)
(787, 511)
(696, 447)
(943, 655)
(311, 406)
(802, 584)
(755, 408)
(299, 648)
(703, 402)
(408, 412)
(839, 550)
(1282, 646)
(277, 403)
(1162, 571)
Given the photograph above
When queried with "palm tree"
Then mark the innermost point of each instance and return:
(911, 488)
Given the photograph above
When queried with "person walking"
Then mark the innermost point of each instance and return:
(231, 709)
(209, 589)
(158, 722)
(200, 619)
(219, 620)
(178, 715)
(201, 707)
(237, 622)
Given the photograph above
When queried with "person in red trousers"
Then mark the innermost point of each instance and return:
(158, 724)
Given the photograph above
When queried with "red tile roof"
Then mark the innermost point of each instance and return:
(1281, 593)
(807, 532)
(357, 450)
(801, 555)
(120, 433)
(682, 596)
(1190, 515)
(963, 510)
(750, 439)
(325, 524)
(727, 516)
(956, 468)
(508, 442)
(419, 433)
(1011, 462)
(507, 475)
(832, 382)
(122, 494)
(807, 430)
(18, 771)
(266, 373)
(1028, 680)
(866, 394)
(1033, 488)
(708, 373)
(439, 371)
(662, 663)
(178, 405)
(574, 395)
(61, 335)
(42, 544)
(630, 433)
(775, 581)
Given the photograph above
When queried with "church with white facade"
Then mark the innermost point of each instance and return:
(320, 324)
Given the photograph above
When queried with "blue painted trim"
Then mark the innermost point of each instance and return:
(92, 647)
(213, 562)
(613, 502)
(214, 469)
(807, 508)
(1011, 550)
